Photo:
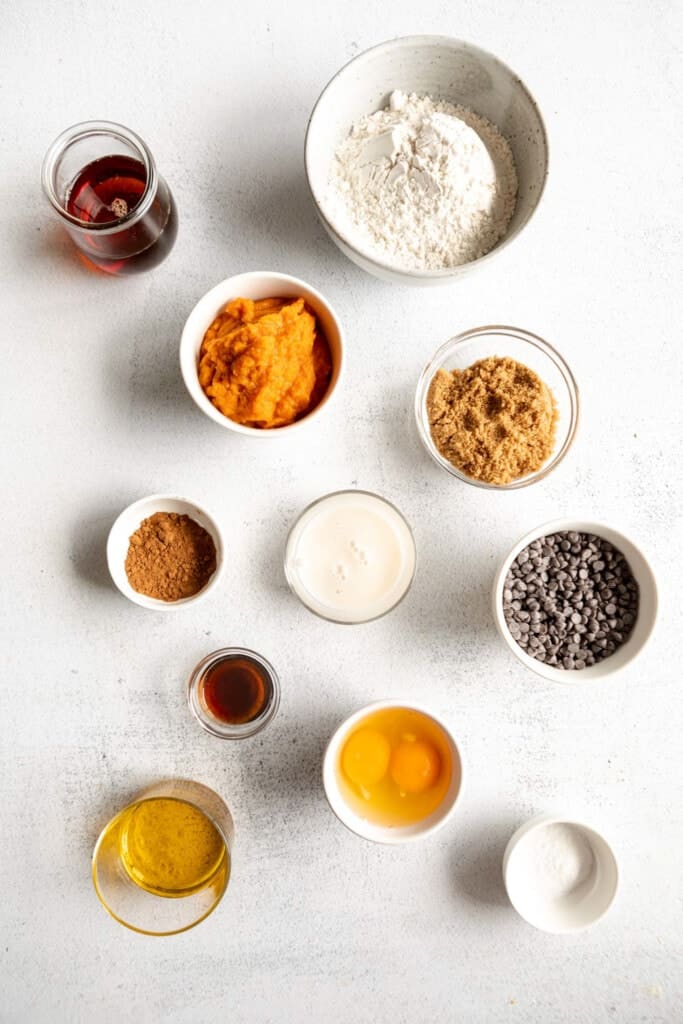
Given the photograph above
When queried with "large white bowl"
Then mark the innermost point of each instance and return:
(368, 829)
(127, 523)
(647, 607)
(578, 909)
(446, 69)
(257, 284)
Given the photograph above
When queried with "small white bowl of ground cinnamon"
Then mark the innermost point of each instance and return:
(165, 552)
(497, 407)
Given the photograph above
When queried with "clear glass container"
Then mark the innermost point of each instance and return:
(126, 220)
(344, 560)
(153, 911)
(526, 348)
(201, 710)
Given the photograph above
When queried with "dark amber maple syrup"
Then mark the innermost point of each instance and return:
(236, 690)
(107, 192)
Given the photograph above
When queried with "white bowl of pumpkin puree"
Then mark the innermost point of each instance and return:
(262, 353)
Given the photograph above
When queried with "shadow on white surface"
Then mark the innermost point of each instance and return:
(449, 604)
(289, 772)
(398, 433)
(477, 864)
(48, 247)
(141, 376)
(283, 214)
(88, 546)
(270, 567)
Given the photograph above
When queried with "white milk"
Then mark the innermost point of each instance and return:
(350, 557)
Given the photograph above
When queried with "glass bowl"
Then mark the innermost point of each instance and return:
(145, 909)
(225, 730)
(470, 346)
(378, 607)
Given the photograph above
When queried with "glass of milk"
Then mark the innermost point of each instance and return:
(350, 557)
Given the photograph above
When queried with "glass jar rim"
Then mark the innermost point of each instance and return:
(83, 130)
(223, 730)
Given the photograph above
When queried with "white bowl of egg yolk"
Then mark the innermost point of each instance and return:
(393, 772)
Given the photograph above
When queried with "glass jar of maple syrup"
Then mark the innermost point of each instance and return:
(103, 185)
(234, 693)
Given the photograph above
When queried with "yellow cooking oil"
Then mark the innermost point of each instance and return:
(169, 847)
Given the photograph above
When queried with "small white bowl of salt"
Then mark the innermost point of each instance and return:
(561, 876)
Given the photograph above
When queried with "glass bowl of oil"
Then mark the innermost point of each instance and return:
(162, 864)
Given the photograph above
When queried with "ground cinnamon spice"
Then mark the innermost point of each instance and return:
(170, 556)
(494, 421)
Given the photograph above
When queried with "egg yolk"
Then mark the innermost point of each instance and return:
(415, 766)
(366, 757)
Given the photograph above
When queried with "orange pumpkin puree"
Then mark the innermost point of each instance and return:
(265, 363)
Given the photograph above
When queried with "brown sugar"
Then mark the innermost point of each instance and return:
(494, 421)
(170, 556)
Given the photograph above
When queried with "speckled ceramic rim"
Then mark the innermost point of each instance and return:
(141, 509)
(219, 895)
(223, 730)
(436, 362)
(541, 821)
(446, 272)
(207, 309)
(369, 830)
(82, 131)
(289, 575)
(648, 603)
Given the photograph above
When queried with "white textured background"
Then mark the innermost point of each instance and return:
(318, 925)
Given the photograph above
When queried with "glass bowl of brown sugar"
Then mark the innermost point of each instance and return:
(497, 407)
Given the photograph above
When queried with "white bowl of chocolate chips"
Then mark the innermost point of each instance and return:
(575, 600)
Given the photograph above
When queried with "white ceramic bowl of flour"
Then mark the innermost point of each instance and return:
(445, 69)
(561, 876)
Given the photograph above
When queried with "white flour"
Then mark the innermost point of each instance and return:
(423, 184)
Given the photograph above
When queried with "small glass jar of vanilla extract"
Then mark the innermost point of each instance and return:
(234, 693)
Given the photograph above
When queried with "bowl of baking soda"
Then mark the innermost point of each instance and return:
(560, 875)
(425, 156)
